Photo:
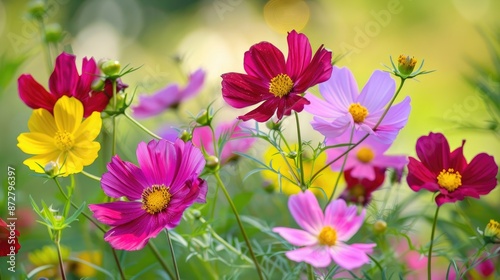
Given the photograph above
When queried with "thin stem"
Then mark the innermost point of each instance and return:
(113, 118)
(160, 259)
(46, 47)
(59, 256)
(310, 272)
(177, 276)
(152, 134)
(91, 176)
(341, 172)
(300, 158)
(115, 256)
(429, 256)
(240, 224)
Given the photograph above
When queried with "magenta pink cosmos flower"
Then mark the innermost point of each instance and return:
(230, 135)
(448, 173)
(169, 97)
(66, 81)
(365, 157)
(344, 107)
(158, 191)
(324, 235)
(279, 85)
(360, 190)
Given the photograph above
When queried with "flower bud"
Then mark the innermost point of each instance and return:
(196, 213)
(406, 64)
(110, 68)
(492, 232)
(292, 155)
(379, 226)
(204, 118)
(53, 33)
(185, 136)
(51, 169)
(273, 125)
(212, 162)
(98, 84)
(37, 9)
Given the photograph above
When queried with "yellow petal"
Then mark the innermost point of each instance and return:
(86, 152)
(42, 121)
(38, 162)
(36, 143)
(68, 114)
(90, 128)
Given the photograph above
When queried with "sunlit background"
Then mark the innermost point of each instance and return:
(214, 34)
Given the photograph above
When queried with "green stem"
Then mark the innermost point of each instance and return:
(341, 172)
(59, 256)
(310, 272)
(429, 256)
(174, 261)
(91, 176)
(152, 134)
(120, 270)
(113, 119)
(302, 185)
(46, 46)
(160, 259)
(240, 224)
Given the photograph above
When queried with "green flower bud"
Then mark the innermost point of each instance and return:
(98, 84)
(196, 213)
(273, 125)
(212, 162)
(53, 33)
(406, 64)
(292, 154)
(492, 232)
(37, 9)
(204, 118)
(186, 136)
(379, 226)
(110, 68)
(51, 169)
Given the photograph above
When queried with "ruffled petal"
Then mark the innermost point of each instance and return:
(457, 159)
(434, 152)
(344, 219)
(377, 92)
(296, 237)
(64, 78)
(306, 211)
(34, 95)
(123, 179)
(299, 54)
(316, 256)
(351, 256)
(264, 61)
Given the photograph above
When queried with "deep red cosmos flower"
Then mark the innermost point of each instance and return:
(8, 240)
(279, 85)
(448, 173)
(65, 80)
(359, 190)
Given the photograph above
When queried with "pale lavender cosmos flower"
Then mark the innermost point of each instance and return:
(365, 157)
(344, 107)
(169, 97)
(165, 183)
(324, 235)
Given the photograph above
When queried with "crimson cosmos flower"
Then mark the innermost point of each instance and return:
(8, 240)
(359, 190)
(65, 80)
(279, 85)
(448, 173)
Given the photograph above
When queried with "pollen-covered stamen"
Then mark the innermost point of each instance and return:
(449, 179)
(365, 155)
(328, 236)
(64, 140)
(407, 61)
(155, 198)
(358, 112)
(281, 85)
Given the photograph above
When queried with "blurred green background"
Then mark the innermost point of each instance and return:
(214, 34)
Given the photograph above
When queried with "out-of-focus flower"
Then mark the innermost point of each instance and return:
(165, 183)
(448, 173)
(484, 270)
(324, 236)
(169, 97)
(364, 158)
(83, 270)
(61, 138)
(279, 85)
(360, 190)
(323, 184)
(9, 243)
(344, 107)
(47, 255)
(492, 232)
(65, 81)
(231, 137)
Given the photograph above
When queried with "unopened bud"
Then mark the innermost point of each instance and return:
(406, 64)
(98, 84)
(110, 68)
(379, 226)
(292, 155)
(273, 125)
(51, 169)
(204, 118)
(185, 136)
(196, 213)
(212, 162)
(53, 33)
(37, 9)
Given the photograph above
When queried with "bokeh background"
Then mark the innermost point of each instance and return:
(214, 34)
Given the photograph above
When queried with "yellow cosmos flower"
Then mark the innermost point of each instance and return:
(83, 270)
(47, 256)
(323, 184)
(61, 138)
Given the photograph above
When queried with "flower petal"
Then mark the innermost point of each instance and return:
(377, 92)
(351, 256)
(306, 211)
(344, 219)
(263, 112)
(296, 237)
(318, 71)
(315, 256)
(341, 90)
(64, 78)
(89, 128)
(68, 114)
(35, 143)
(457, 159)
(90, 72)
(123, 179)
(299, 54)
(291, 102)
(321, 108)
(151, 105)
(240, 90)
(264, 61)
(42, 121)
(434, 152)
(117, 213)
(419, 175)
(194, 85)
(38, 162)
(479, 177)
(34, 95)
(333, 128)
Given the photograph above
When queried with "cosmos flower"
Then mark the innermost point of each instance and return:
(364, 158)
(165, 183)
(360, 190)
(448, 173)
(279, 85)
(65, 81)
(62, 140)
(169, 97)
(344, 107)
(9, 242)
(323, 237)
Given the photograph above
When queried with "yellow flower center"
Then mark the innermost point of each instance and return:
(281, 85)
(492, 229)
(449, 179)
(155, 198)
(365, 154)
(327, 236)
(64, 140)
(358, 112)
(407, 61)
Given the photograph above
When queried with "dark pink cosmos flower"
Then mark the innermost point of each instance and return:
(165, 183)
(279, 85)
(448, 173)
(65, 80)
(9, 243)
(359, 190)
(169, 97)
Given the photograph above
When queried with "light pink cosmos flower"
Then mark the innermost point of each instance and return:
(365, 157)
(344, 107)
(169, 97)
(324, 235)
(165, 183)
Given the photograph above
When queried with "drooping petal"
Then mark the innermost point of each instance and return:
(351, 256)
(240, 90)
(299, 54)
(292, 102)
(34, 95)
(306, 211)
(434, 152)
(296, 237)
(123, 179)
(263, 112)
(64, 78)
(68, 114)
(314, 255)
(378, 91)
(264, 61)
(344, 219)
(117, 213)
